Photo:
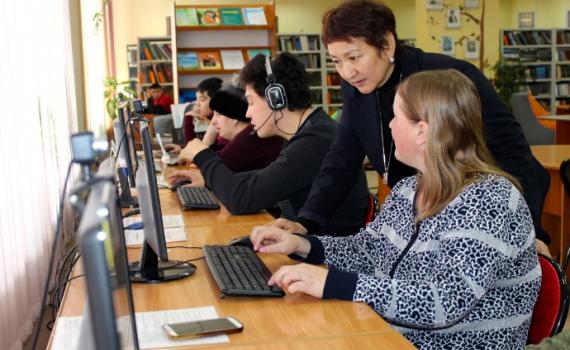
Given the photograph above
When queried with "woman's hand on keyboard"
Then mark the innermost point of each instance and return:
(271, 239)
(304, 278)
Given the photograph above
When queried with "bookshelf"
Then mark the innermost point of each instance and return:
(216, 41)
(324, 81)
(545, 54)
(154, 64)
(132, 63)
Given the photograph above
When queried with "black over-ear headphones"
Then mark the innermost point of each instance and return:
(274, 92)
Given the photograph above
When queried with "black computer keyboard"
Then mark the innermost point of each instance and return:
(197, 198)
(239, 271)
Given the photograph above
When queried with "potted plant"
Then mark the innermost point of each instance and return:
(509, 78)
(115, 94)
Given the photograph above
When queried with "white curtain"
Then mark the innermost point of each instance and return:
(37, 105)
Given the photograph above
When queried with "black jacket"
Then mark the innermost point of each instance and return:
(288, 179)
(359, 135)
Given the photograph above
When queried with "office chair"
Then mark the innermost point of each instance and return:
(534, 132)
(373, 208)
(551, 308)
(565, 176)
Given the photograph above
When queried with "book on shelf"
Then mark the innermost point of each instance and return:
(164, 50)
(232, 59)
(563, 72)
(188, 60)
(254, 16)
(231, 16)
(209, 16)
(541, 72)
(186, 16)
(209, 60)
(251, 53)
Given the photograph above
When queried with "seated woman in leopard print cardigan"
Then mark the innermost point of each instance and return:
(450, 260)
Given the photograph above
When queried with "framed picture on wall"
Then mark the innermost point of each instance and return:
(526, 19)
(434, 4)
(471, 4)
(447, 45)
(453, 17)
(471, 49)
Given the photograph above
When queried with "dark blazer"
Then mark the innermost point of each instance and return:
(359, 135)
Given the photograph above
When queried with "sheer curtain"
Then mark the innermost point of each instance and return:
(37, 116)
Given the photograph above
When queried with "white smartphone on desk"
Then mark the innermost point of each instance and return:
(185, 330)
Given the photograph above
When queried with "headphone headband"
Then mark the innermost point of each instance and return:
(270, 78)
(274, 92)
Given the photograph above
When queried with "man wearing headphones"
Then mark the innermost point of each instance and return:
(278, 105)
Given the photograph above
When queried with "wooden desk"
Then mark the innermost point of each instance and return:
(556, 212)
(562, 128)
(293, 322)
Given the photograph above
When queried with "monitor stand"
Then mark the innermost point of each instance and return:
(152, 270)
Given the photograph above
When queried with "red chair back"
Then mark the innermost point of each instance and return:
(551, 307)
(373, 208)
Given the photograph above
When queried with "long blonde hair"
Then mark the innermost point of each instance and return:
(456, 153)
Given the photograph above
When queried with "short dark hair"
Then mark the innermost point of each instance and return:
(287, 70)
(156, 86)
(210, 85)
(365, 19)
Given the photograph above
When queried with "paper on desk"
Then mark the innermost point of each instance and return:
(167, 220)
(171, 234)
(149, 329)
(151, 335)
(67, 333)
(161, 182)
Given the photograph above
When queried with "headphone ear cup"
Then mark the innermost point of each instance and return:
(275, 96)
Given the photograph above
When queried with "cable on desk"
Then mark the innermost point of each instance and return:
(131, 213)
(132, 272)
(57, 289)
(184, 247)
(62, 273)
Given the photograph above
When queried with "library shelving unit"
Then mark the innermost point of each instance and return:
(545, 54)
(323, 80)
(154, 64)
(216, 41)
(132, 64)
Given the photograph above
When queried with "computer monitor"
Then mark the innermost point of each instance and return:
(109, 321)
(124, 113)
(124, 170)
(149, 269)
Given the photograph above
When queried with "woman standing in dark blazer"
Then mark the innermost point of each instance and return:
(371, 62)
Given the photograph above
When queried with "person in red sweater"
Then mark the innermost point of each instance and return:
(158, 102)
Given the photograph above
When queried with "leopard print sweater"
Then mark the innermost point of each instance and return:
(469, 281)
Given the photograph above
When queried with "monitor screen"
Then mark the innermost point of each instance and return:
(129, 143)
(149, 269)
(125, 170)
(110, 313)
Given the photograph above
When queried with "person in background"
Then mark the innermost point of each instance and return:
(200, 112)
(244, 150)
(370, 60)
(308, 133)
(450, 260)
(158, 101)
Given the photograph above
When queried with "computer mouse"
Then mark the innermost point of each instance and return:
(175, 185)
(242, 241)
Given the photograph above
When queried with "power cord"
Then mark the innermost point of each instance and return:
(52, 255)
